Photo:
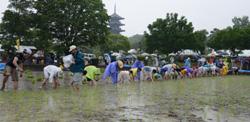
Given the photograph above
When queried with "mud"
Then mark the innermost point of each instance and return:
(211, 99)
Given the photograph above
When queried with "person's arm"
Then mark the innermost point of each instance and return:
(17, 66)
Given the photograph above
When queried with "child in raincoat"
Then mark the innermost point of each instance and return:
(138, 64)
(156, 76)
(112, 70)
(92, 74)
(134, 72)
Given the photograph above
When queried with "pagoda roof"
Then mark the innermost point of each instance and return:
(116, 16)
(116, 23)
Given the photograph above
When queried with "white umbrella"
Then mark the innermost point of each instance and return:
(144, 54)
(132, 51)
(171, 54)
(212, 54)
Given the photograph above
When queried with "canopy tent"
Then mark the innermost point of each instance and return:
(145, 54)
(171, 54)
(245, 53)
(188, 52)
(224, 53)
(22, 47)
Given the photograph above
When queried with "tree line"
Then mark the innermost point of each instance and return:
(55, 25)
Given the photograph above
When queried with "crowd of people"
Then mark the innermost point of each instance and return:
(114, 70)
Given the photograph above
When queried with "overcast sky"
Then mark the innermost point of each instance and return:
(204, 14)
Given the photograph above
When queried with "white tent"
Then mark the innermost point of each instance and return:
(188, 52)
(245, 53)
(212, 54)
(22, 47)
(144, 54)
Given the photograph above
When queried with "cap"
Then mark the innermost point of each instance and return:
(72, 47)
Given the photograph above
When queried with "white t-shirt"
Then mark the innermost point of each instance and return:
(51, 71)
(169, 67)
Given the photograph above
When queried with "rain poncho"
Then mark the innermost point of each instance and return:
(2, 66)
(134, 71)
(187, 62)
(189, 70)
(166, 68)
(112, 71)
(157, 76)
(186, 71)
(138, 64)
(92, 71)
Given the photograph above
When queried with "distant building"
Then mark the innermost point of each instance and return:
(115, 24)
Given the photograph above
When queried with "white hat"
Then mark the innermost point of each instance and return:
(72, 47)
(27, 50)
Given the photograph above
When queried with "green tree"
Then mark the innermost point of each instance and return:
(170, 34)
(200, 38)
(55, 23)
(232, 38)
(74, 22)
(240, 22)
(118, 42)
(137, 41)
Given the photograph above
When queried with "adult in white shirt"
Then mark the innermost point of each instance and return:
(51, 74)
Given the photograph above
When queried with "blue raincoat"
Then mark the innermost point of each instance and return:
(111, 71)
(138, 64)
(187, 62)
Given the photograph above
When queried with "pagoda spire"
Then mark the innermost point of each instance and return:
(114, 22)
(115, 9)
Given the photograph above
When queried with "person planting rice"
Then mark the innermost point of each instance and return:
(138, 64)
(92, 74)
(134, 72)
(169, 71)
(147, 73)
(76, 67)
(186, 71)
(125, 76)
(156, 76)
(112, 70)
(14, 65)
(51, 74)
(187, 62)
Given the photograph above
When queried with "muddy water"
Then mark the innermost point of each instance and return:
(209, 99)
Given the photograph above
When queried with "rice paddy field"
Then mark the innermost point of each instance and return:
(208, 99)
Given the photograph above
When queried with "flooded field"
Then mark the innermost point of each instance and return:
(212, 99)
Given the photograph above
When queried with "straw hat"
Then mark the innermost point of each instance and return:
(120, 64)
